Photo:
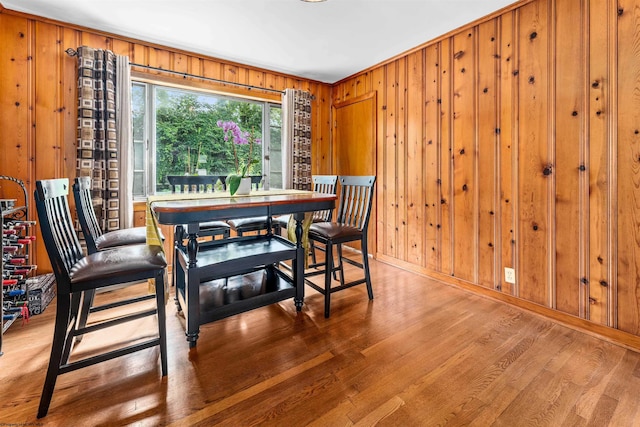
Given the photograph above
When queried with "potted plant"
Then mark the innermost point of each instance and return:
(239, 183)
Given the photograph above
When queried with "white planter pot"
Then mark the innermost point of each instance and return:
(245, 187)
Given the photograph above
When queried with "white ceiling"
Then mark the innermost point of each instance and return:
(321, 41)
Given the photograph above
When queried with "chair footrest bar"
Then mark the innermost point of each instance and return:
(79, 364)
(103, 307)
(109, 323)
(335, 288)
(352, 262)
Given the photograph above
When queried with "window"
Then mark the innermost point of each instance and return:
(175, 132)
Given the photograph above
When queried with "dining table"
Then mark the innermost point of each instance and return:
(199, 264)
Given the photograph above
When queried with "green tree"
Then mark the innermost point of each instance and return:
(188, 138)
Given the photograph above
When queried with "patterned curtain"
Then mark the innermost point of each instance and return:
(98, 153)
(296, 147)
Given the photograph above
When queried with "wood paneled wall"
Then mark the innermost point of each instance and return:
(512, 142)
(515, 142)
(38, 105)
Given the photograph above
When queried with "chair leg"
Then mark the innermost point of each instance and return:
(327, 278)
(365, 264)
(162, 319)
(63, 311)
(84, 309)
(77, 304)
(340, 265)
(313, 252)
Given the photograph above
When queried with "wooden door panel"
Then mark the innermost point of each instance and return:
(354, 145)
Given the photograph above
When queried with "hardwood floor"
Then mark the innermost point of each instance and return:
(421, 354)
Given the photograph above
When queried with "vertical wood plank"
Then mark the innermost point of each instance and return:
(256, 78)
(507, 134)
(487, 123)
(378, 79)
(322, 158)
(231, 73)
(464, 155)
(179, 62)
(390, 165)
(69, 102)
(360, 85)
(401, 161)
(122, 47)
(431, 157)
(569, 166)
(446, 181)
(272, 81)
(628, 161)
(212, 70)
(139, 54)
(195, 66)
(96, 41)
(415, 141)
(15, 103)
(47, 149)
(599, 120)
(159, 59)
(534, 167)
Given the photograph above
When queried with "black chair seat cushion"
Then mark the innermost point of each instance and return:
(332, 230)
(246, 222)
(124, 237)
(213, 224)
(283, 220)
(120, 262)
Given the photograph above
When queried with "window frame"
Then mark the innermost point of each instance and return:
(149, 134)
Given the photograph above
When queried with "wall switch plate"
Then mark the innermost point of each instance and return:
(509, 275)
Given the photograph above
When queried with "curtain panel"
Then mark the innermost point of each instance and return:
(101, 134)
(296, 148)
(124, 137)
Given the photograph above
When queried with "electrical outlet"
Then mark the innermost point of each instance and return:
(509, 275)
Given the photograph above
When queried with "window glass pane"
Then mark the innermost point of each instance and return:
(176, 132)
(140, 126)
(138, 98)
(138, 183)
(275, 148)
(189, 140)
(138, 156)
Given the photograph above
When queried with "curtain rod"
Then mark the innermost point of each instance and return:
(72, 52)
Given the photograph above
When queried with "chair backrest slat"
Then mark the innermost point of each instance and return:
(195, 183)
(325, 184)
(356, 198)
(87, 218)
(60, 238)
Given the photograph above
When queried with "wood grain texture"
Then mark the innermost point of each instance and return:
(487, 152)
(563, 184)
(402, 190)
(586, 221)
(600, 119)
(534, 167)
(464, 155)
(39, 103)
(507, 132)
(415, 205)
(570, 145)
(421, 353)
(388, 180)
(431, 162)
(628, 161)
(445, 95)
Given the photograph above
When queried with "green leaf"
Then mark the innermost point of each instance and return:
(233, 181)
